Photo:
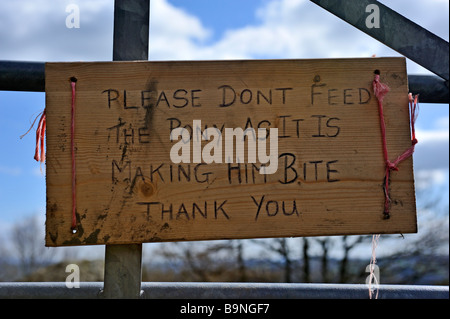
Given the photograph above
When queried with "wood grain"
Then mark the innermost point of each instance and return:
(330, 171)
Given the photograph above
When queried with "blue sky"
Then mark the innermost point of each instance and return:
(35, 30)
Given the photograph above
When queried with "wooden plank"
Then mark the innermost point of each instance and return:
(330, 162)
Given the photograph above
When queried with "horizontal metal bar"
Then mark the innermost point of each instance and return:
(431, 89)
(30, 76)
(395, 31)
(22, 76)
(165, 290)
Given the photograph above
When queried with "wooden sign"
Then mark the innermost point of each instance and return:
(134, 184)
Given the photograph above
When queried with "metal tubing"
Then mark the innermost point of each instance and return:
(164, 290)
(123, 263)
(431, 89)
(123, 271)
(30, 76)
(395, 31)
(22, 76)
(131, 30)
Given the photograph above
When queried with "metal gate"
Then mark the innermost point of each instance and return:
(123, 262)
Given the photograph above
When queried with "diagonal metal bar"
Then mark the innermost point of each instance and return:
(395, 31)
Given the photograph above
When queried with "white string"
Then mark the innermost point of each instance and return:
(373, 261)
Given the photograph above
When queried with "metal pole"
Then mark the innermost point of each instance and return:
(22, 76)
(131, 30)
(30, 76)
(123, 263)
(123, 271)
(395, 31)
(431, 89)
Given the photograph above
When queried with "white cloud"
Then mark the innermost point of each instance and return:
(11, 171)
(431, 156)
(443, 123)
(433, 136)
(427, 178)
(38, 171)
(432, 151)
(35, 30)
(286, 29)
(173, 23)
(174, 34)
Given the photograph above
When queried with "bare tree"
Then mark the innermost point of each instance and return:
(281, 247)
(8, 271)
(200, 261)
(348, 244)
(325, 243)
(305, 252)
(242, 269)
(27, 238)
